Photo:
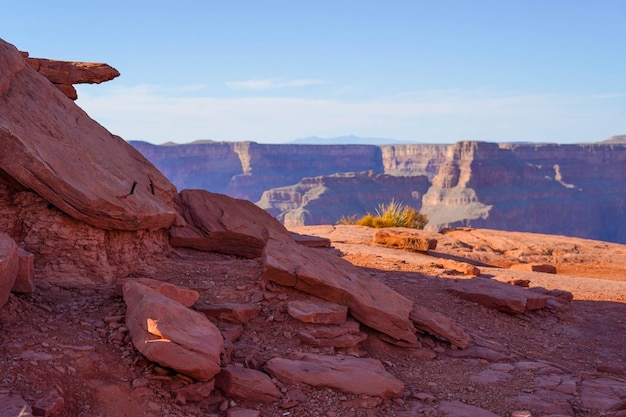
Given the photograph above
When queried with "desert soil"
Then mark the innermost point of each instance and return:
(71, 343)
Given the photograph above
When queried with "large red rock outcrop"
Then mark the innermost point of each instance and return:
(63, 74)
(51, 146)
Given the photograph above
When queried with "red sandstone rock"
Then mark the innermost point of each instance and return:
(49, 405)
(51, 146)
(9, 266)
(14, 405)
(242, 412)
(498, 295)
(342, 341)
(184, 296)
(344, 373)
(459, 409)
(247, 384)
(235, 313)
(68, 72)
(344, 335)
(320, 312)
(316, 272)
(604, 393)
(218, 223)
(403, 239)
(25, 281)
(311, 241)
(439, 325)
(167, 333)
(195, 392)
(548, 269)
(462, 267)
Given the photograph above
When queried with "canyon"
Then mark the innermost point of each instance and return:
(568, 189)
(121, 295)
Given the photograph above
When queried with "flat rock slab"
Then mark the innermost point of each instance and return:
(219, 223)
(403, 239)
(9, 266)
(50, 145)
(459, 409)
(328, 277)
(498, 295)
(166, 332)
(344, 373)
(607, 394)
(339, 336)
(247, 384)
(319, 312)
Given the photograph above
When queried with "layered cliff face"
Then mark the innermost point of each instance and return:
(575, 190)
(325, 199)
(246, 169)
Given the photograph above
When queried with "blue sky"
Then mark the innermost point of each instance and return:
(273, 71)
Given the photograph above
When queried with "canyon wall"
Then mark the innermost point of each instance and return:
(577, 190)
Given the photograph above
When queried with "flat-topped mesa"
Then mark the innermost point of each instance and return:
(64, 74)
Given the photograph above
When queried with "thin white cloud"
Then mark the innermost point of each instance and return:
(272, 83)
(145, 113)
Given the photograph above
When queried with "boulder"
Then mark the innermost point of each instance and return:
(403, 239)
(108, 183)
(439, 325)
(247, 384)
(219, 223)
(25, 280)
(319, 312)
(333, 279)
(166, 332)
(344, 373)
(185, 296)
(545, 268)
(9, 266)
(232, 312)
(498, 295)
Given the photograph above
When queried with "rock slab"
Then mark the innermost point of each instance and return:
(248, 384)
(344, 373)
(333, 279)
(318, 312)
(166, 332)
(497, 295)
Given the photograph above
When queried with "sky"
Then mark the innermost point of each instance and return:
(269, 71)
